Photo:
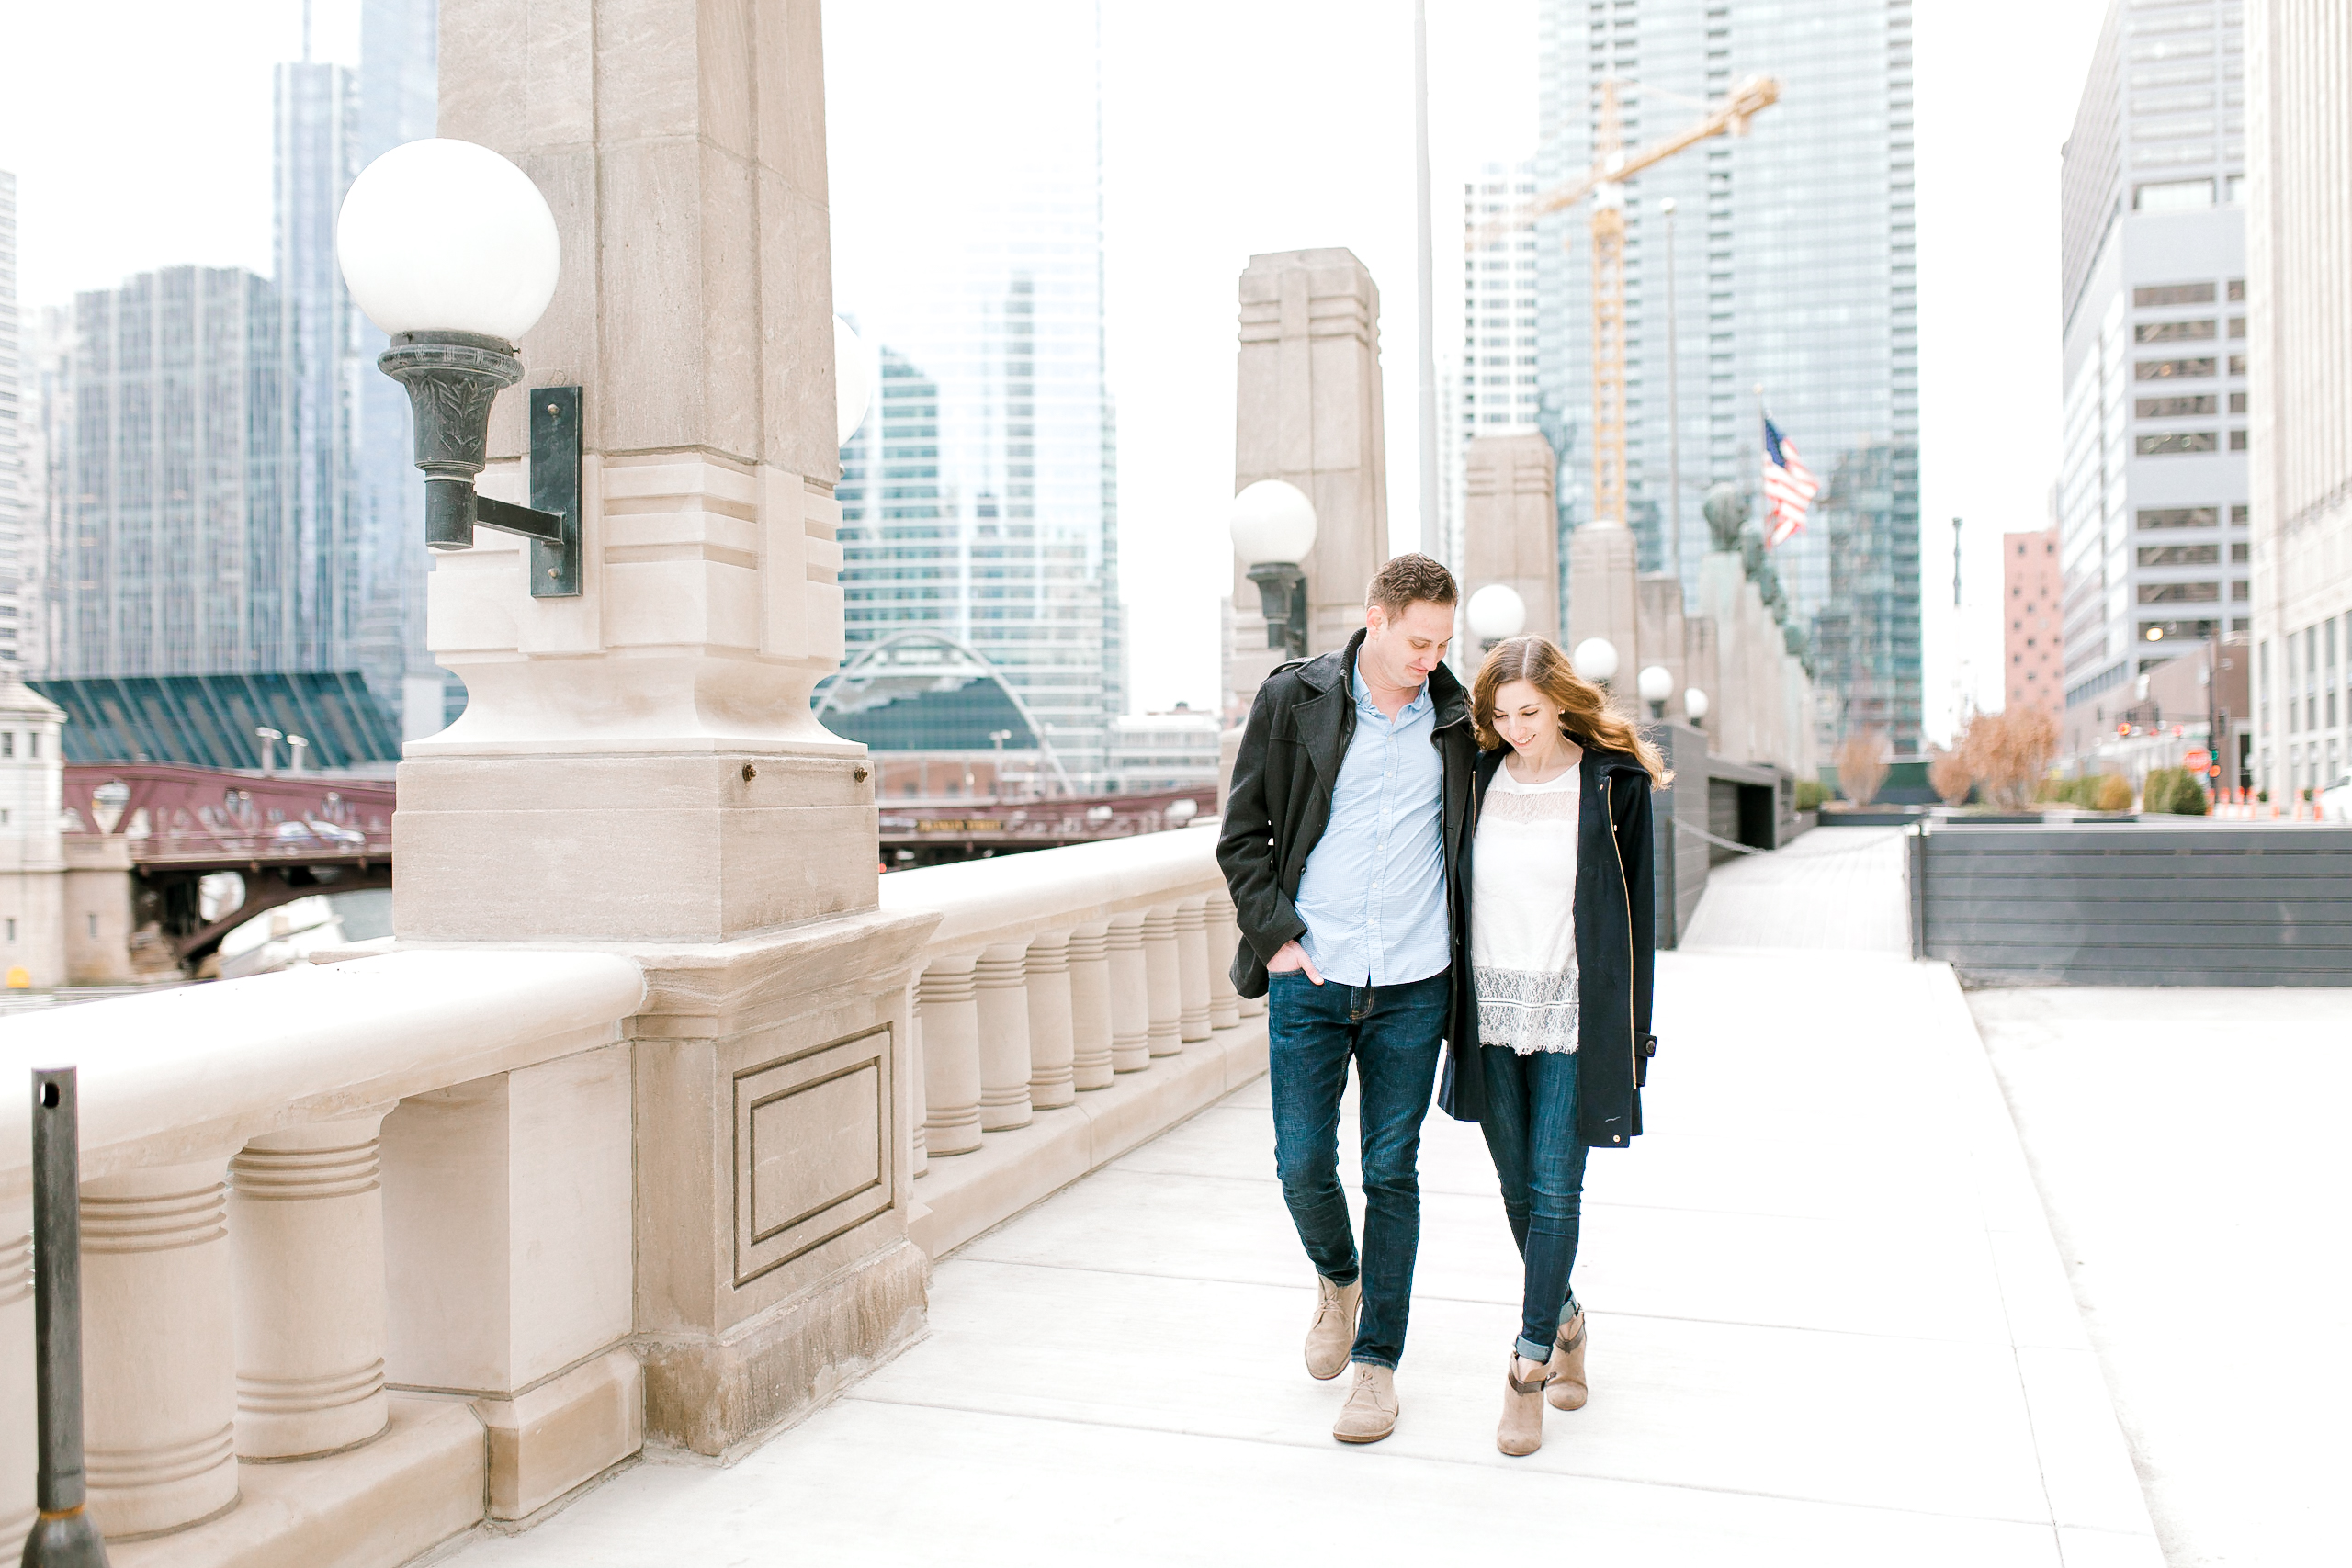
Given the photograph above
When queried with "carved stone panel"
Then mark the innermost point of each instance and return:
(813, 1149)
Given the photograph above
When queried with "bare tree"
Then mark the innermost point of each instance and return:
(1862, 758)
(1947, 774)
(2008, 753)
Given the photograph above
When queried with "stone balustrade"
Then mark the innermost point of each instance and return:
(308, 1193)
(359, 1238)
(1054, 978)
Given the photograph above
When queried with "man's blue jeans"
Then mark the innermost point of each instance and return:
(1391, 1033)
(1531, 1127)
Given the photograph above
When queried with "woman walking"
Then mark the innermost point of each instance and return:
(1559, 909)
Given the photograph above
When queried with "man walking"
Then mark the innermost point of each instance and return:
(1342, 833)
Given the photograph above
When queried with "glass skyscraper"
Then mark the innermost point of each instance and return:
(1794, 261)
(316, 112)
(399, 94)
(240, 495)
(180, 548)
(980, 500)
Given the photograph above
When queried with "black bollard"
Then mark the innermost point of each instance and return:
(64, 1536)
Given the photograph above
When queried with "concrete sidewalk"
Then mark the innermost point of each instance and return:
(1828, 1327)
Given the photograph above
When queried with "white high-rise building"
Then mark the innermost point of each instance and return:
(2152, 492)
(1489, 389)
(2299, 268)
(13, 476)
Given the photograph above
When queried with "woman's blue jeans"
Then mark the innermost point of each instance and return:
(1531, 1127)
(1391, 1033)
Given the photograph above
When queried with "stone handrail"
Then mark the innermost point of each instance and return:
(1052, 973)
(301, 1190)
(166, 1077)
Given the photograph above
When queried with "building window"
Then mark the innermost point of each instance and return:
(2237, 440)
(2176, 294)
(2173, 332)
(2175, 408)
(2173, 369)
(2173, 195)
(2179, 441)
(7, 742)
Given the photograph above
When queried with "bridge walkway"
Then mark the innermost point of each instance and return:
(1830, 1327)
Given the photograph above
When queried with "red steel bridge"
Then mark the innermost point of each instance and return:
(288, 836)
(283, 837)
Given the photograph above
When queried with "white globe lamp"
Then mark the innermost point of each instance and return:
(853, 390)
(1274, 522)
(451, 250)
(1274, 529)
(443, 236)
(1694, 702)
(1595, 660)
(1655, 683)
(1497, 612)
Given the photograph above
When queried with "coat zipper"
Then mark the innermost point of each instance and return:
(1633, 1046)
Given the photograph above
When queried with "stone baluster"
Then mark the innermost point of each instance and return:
(1002, 1000)
(1130, 995)
(1089, 1006)
(918, 1146)
(1166, 1030)
(951, 1057)
(1051, 1045)
(306, 1248)
(159, 1369)
(17, 1410)
(1193, 969)
(1223, 940)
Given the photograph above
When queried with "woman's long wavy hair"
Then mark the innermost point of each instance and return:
(1584, 714)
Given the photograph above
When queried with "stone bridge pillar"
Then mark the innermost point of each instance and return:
(637, 768)
(1309, 413)
(1510, 529)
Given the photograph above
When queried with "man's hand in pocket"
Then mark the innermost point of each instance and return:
(1291, 959)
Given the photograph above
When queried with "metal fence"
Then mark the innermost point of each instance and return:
(2195, 904)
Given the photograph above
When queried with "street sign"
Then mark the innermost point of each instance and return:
(2200, 758)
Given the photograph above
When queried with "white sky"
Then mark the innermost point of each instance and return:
(139, 131)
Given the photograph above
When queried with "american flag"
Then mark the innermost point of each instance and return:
(1789, 485)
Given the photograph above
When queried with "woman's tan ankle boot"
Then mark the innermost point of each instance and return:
(1522, 1431)
(1568, 1390)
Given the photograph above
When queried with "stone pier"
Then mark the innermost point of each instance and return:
(1309, 413)
(1510, 528)
(637, 768)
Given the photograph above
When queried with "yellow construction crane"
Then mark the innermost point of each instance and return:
(1605, 183)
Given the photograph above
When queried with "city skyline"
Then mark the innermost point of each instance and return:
(1182, 214)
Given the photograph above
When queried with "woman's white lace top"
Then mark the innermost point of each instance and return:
(1522, 913)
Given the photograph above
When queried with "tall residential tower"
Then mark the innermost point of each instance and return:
(1795, 271)
(2152, 491)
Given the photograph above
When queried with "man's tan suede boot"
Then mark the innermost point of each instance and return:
(1522, 1431)
(1369, 1413)
(1333, 1333)
(1568, 1389)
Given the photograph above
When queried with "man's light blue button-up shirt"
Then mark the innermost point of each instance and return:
(1372, 894)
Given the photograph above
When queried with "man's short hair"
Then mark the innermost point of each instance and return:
(1409, 579)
